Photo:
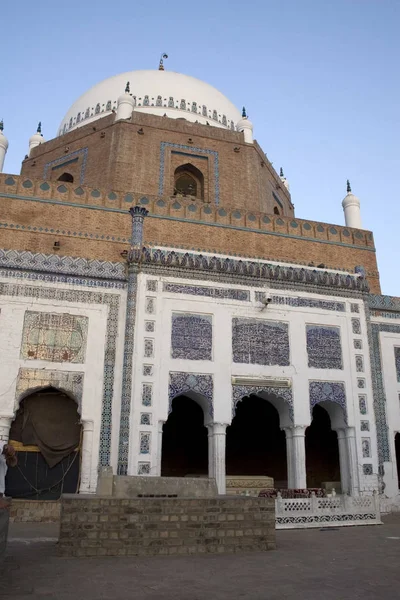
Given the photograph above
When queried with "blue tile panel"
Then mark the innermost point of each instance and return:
(324, 347)
(58, 161)
(241, 391)
(260, 342)
(303, 302)
(190, 150)
(397, 362)
(208, 292)
(191, 336)
(181, 383)
(332, 391)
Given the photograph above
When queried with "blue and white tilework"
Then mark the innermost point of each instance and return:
(356, 326)
(397, 362)
(332, 391)
(191, 336)
(366, 447)
(364, 425)
(360, 383)
(144, 468)
(299, 301)
(147, 394)
(324, 347)
(354, 308)
(67, 157)
(359, 364)
(150, 305)
(357, 344)
(148, 370)
(260, 342)
(190, 151)
(151, 285)
(182, 383)
(148, 348)
(209, 292)
(145, 418)
(362, 403)
(144, 444)
(138, 213)
(367, 469)
(241, 391)
(149, 326)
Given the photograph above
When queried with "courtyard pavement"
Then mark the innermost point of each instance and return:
(336, 564)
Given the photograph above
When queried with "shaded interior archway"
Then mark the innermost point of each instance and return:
(255, 443)
(189, 181)
(46, 434)
(397, 450)
(66, 177)
(184, 441)
(322, 450)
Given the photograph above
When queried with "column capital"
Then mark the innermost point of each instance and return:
(219, 428)
(299, 430)
(87, 425)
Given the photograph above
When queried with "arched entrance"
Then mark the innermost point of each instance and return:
(189, 181)
(255, 443)
(322, 449)
(46, 434)
(184, 440)
(397, 450)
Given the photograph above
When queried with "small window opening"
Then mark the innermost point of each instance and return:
(276, 210)
(66, 177)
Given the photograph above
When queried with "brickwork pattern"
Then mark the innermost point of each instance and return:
(35, 511)
(94, 526)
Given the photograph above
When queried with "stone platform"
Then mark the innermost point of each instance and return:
(106, 526)
(4, 520)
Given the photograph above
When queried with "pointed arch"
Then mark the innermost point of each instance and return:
(189, 181)
(67, 177)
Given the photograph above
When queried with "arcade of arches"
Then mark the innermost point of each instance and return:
(255, 444)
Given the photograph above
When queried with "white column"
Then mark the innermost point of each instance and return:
(86, 458)
(5, 424)
(159, 447)
(289, 457)
(343, 460)
(350, 435)
(3, 147)
(218, 456)
(299, 456)
(211, 471)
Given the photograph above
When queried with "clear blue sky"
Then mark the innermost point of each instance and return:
(319, 79)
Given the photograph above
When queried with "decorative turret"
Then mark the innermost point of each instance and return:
(161, 65)
(246, 126)
(36, 139)
(283, 179)
(125, 105)
(3, 146)
(351, 208)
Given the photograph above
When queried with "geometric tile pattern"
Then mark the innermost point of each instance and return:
(324, 347)
(364, 425)
(145, 443)
(144, 468)
(359, 364)
(362, 401)
(332, 391)
(354, 308)
(241, 391)
(366, 447)
(303, 302)
(367, 469)
(180, 383)
(397, 362)
(151, 285)
(191, 336)
(145, 418)
(260, 342)
(54, 337)
(356, 326)
(66, 157)
(209, 292)
(147, 394)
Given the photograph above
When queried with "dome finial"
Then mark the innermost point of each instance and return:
(244, 114)
(39, 127)
(348, 186)
(127, 88)
(1, 125)
(161, 65)
(281, 173)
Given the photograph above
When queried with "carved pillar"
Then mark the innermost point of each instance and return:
(159, 447)
(343, 460)
(5, 424)
(350, 435)
(218, 456)
(211, 471)
(299, 456)
(138, 214)
(289, 457)
(86, 458)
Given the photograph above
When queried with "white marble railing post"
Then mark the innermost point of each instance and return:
(289, 457)
(343, 461)
(159, 447)
(86, 458)
(351, 444)
(218, 456)
(5, 425)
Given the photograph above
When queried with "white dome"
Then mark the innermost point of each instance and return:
(158, 93)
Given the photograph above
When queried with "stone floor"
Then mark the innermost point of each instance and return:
(333, 564)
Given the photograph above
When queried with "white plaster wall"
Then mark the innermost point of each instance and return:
(12, 311)
(222, 368)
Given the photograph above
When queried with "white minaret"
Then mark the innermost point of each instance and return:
(284, 180)
(246, 126)
(3, 146)
(351, 208)
(36, 139)
(125, 105)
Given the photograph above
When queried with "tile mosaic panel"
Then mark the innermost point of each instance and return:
(357, 344)
(241, 391)
(148, 370)
(361, 383)
(149, 326)
(144, 468)
(147, 394)
(397, 362)
(299, 301)
(356, 326)
(324, 347)
(333, 391)
(181, 383)
(367, 469)
(362, 403)
(144, 446)
(148, 348)
(354, 308)
(191, 336)
(208, 292)
(145, 418)
(364, 425)
(150, 305)
(151, 285)
(76, 154)
(260, 342)
(359, 364)
(65, 381)
(54, 337)
(366, 447)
